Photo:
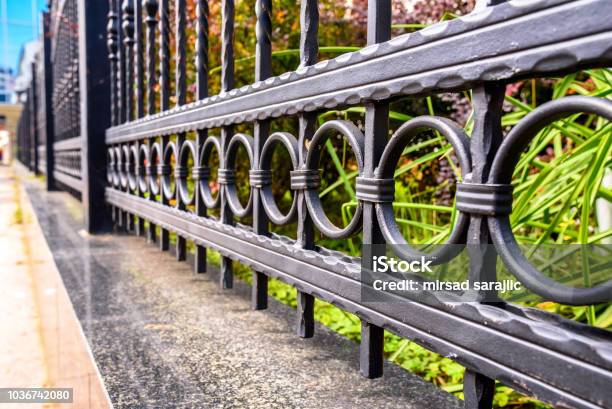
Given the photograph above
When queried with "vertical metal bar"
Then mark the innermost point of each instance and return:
(94, 92)
(263, 70)
(113, 58)
(227, 83)
(121, 83)
(164, 67)
(164, 54)
(376, 134)
(201, 93)
(309, 48)
(151, 7)
(27, 130)
(47, 87)
(139, 103)
(121, 93)
(478, 390)
(34, 118)
(181, 90)
(370, 351)
(305, 311)
(486, 138)
(180, 54)
(139, 59)
(26, 122)
(128, 42)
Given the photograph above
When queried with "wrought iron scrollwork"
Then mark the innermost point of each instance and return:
(187, 150)
(202, 173)
(230, 179)
(502, 169)
(290, 143)
(456, 136)
(165, 170)
(142, 171)
(355, 139)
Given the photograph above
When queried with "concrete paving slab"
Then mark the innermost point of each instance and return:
(41, 340)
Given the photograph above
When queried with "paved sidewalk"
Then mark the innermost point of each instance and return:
(166, 338)
(41, 340)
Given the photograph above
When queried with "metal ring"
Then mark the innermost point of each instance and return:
(229, 188)
(131, 168)
(123, 166)
(502, 169)
(110, 166)
(143, 162)
(117, 155)
(209, 200)
(187, 148)
(166, 176)
(317, 213)
(456, 136)
(154, 158)
(265, 164)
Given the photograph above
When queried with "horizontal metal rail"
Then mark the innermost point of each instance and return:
(506, 41)
(68, 144)
(68, 180)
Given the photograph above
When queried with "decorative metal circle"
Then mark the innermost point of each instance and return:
(455, 135)
(116, 173)
(131, 168)
(210, 143)
(502, 169)
(231, 193)
(110, 166)
(265, 164)
(123, 166)
(165, 171)
(153, 159)
(187, 148)
(317, 213)
(142, 172)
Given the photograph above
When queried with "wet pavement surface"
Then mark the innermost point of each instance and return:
(164, 337)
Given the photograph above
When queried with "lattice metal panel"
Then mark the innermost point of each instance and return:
(65, 62)
(149, 157)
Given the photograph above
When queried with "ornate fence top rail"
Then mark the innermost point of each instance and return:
(497, 43)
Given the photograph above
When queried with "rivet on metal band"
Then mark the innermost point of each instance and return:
(260, 178)
(375, 190)
(163, 170)
(226, 176)
(305, 179)
(200, 172)
(484, 199)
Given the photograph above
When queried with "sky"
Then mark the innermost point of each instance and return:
(18, 25)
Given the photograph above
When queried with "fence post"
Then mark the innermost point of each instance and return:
(47, 88)
(376, 135)
(33, 106)
(95, 93)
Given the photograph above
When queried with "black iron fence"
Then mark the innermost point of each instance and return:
(150, 163)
